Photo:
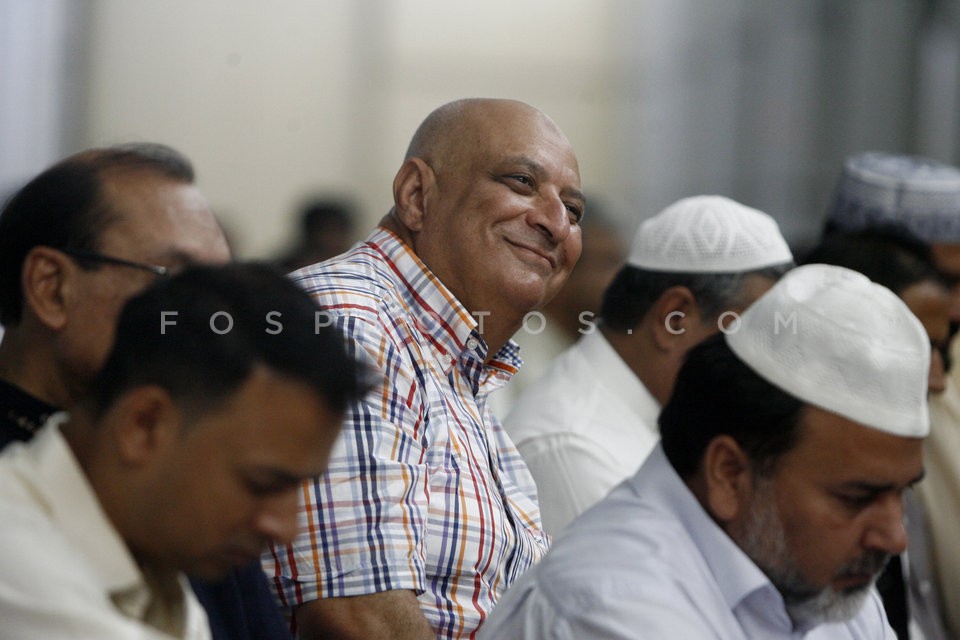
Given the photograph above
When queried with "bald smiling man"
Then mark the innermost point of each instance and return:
(427, 513)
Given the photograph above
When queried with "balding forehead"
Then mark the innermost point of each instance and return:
(462, 120)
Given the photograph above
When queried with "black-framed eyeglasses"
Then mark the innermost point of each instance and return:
(92, 256)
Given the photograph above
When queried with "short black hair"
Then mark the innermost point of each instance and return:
(175, 335)
(717, 394)
(64, 208)
(320, 214)
(634, 291)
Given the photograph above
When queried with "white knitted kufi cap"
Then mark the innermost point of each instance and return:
(708, 234)
(832, 338)
(877, 188)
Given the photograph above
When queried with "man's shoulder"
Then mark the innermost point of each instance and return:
(642, 556)
(51, 589)
(361, 271)
(17, 476)
(629, 531)
(35, 555)
(562, 400)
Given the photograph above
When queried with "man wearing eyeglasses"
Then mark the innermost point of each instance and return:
(76, 243)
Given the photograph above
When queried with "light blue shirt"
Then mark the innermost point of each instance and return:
(649, 562)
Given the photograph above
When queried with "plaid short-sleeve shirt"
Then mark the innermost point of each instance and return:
(425, 490)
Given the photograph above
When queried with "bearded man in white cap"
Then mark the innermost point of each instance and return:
(775, 495)
(590, 420)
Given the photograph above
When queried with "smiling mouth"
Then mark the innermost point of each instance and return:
(537, 252)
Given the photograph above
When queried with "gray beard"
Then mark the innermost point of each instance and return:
(765, 543)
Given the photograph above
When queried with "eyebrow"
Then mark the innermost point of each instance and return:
(539, 169)
(274, 475)
(870, 487)
(177, 257)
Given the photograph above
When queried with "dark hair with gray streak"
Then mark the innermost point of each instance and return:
(634, 291)
(64, 208)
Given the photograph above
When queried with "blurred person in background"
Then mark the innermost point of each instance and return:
(326, 228)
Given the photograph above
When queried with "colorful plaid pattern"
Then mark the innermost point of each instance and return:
(425, 490)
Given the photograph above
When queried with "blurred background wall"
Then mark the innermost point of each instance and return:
(276, 101)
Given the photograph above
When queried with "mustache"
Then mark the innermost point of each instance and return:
(871, 563)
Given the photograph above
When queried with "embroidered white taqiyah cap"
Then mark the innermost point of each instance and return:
(832, 338)
(708, 234)
(877, 188)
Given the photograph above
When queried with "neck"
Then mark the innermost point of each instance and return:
(651, 365)
(28, 364)
(77, 432)
(97, 456)
(496, 335)
(496, 325)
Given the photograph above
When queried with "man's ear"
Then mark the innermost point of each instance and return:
(144, 420)
(727, 479)
(674, 312)
(410, 185)
(46, 281)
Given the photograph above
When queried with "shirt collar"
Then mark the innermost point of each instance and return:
(734, 572)
(25, 413)
(446, 323)
(74, 506)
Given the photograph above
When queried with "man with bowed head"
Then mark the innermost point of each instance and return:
(691, 269)
(187, 455)
(775, 497)
(76, 242)
(427, 513)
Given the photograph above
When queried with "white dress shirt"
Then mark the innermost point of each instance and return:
(65, 572)
(582, 428)
(649, 562)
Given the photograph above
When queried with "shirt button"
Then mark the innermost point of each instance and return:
(472, 343)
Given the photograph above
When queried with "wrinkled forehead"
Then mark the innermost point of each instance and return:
(154, 215)
(123, 191)
(505, 132)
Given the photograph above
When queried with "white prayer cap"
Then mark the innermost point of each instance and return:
(877, 188)
(708, 234)
(832, 338)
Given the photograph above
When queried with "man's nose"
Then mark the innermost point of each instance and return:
(553, 218)
(277, 519)
(885, 531)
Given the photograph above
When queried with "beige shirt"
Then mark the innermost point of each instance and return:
(65, 572)
(940, 492)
